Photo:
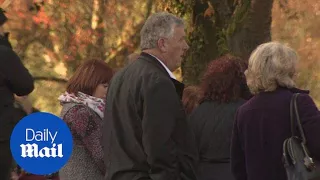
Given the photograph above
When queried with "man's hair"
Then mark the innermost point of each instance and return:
(158, 25)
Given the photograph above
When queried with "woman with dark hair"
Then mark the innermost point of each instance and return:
(212, 121)
(190, 98)
(83, 108)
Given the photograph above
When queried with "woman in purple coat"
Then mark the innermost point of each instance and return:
(263, 123)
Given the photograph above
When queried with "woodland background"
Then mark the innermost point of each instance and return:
(53, 37)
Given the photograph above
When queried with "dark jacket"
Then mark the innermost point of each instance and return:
(261, 126)
(212, 123)
(14, 79)
(145, 132)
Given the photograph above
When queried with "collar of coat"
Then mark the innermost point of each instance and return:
(178, 85)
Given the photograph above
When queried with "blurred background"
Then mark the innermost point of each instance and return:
(53, 37)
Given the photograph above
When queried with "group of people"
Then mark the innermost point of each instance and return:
(149, 126)
(140, 123)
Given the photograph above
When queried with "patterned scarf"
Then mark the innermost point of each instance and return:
(96, 104)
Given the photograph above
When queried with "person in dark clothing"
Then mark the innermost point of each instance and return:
(190, 98)
(145, 132)
(213, 119)
(14, 79)
(23, 107)
(263, 123)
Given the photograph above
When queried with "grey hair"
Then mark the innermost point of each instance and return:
(158, 25)
(271, 65)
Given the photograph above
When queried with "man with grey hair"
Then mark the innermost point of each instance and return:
(145, 133)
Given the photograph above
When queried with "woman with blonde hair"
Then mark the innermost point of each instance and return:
(83, 109)
(263, 123)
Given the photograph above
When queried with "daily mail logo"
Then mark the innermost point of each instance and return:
(41, 143)
(32, 150)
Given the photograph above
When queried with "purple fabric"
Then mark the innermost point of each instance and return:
(261, 126)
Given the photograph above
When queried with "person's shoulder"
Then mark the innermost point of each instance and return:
(304, 99)
(203, 108)
(84, 110)
(279, 97)
(8, 55)
(81, 114)
(157, 77)
(3, 47)
(77, 110)
(155, 81)
(4, 50)
(241, 102)
(247, 105)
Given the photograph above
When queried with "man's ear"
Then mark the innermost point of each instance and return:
(162, 45)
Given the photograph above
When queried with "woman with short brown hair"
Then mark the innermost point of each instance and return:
(89, 76)
(83, 109)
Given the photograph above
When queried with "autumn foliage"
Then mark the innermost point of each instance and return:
(54, 36)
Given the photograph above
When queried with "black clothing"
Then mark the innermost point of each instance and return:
(212, 123)
(146, 135)
(14, 79)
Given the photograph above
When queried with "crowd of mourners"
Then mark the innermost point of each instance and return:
(141, 123)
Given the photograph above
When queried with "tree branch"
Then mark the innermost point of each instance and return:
(254, 30)
(54, 79)
(123, 48)
(223, 11)
(6, 4)
(149, 8)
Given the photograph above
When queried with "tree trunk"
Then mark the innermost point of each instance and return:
(255, 30)
(202, 41)
(220, 27)
(124, 49)
(97, 24)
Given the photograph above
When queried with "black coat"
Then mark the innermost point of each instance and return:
(146, 135)
(14, 79)
(212, 123)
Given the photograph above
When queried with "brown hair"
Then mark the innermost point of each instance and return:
(224, 80)
(190, 98)
(88, 76)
